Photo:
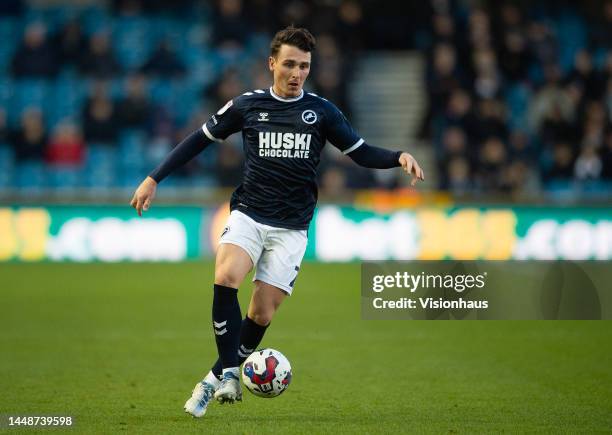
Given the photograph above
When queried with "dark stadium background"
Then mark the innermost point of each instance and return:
(507, 105)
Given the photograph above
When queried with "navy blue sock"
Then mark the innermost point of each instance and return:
(251, 335)
(226, 324)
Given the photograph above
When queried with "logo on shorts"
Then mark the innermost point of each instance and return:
(309, 116)
(225, 231)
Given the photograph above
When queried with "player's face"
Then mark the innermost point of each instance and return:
(290, 68)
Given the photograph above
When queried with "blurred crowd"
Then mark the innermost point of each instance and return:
(95, 94)
(521, 96)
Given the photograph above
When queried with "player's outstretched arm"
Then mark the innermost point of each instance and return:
(373, 157)
(190, 147)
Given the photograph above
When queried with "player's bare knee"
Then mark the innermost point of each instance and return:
(227, 279)
(261, 317)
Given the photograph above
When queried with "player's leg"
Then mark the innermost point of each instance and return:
(265, 300)
(240, 247)
(232, 265)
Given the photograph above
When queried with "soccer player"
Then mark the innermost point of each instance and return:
(284, 130)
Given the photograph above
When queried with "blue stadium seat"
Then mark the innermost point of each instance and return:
(94, 19)
(30, 175)
(64, 177)
(7, 88)
(66, 98)
(28, 93)
(10, 35)
(7, 166)
(518, 97)
(572, 36)
(132, 150)
(100, 167)
(132, 41)
(203, 67)
(203, 181)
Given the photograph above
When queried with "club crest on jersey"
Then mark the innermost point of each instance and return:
(263, 116)
(291, 145)
(309, 116)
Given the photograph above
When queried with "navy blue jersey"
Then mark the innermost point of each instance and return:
(282, 139)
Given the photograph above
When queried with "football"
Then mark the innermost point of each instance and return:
(266, 373)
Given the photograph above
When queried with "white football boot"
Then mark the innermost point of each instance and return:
(201, 396)
(230, 390)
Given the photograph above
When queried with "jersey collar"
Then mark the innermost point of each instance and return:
(286, 100)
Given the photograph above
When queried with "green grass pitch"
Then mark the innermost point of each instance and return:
(120, 347)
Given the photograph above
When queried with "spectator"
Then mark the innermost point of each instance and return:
(491, 120)
(230, 28)
(543, 44)
(228, 86)
(164, 62)
(229, 165)
(135, 109)
(487, 79)
(492, 160)
(601, 31)
(562, 167)
(35, 58)
(549, 99)
(99, 60)
(333, 183)
(588, 165)
(330, 75)
(458, 176)
(606, 159)
(479, 30)
(443, 77)
(584, 75)
(459, 113)
(71, 43)
(100, 116)
(521, 149)
(4, 132)
(350, 28)
(66, 147)
(30, 140)
(512, 44)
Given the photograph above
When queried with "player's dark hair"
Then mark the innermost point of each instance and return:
(295, 36)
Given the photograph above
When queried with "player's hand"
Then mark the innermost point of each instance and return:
(144, 195)
(410, 165)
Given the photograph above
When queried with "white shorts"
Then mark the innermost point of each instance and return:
(276, 252)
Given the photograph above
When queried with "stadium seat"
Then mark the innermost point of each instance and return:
(64, 177)
(30, 175)
(10, 32)
(132, 150)
(100, 166)
(28, 93)
(132, 41)
(6, 166)
(517, 98)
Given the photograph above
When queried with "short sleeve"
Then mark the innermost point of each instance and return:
(227, 121)
(339, 132)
